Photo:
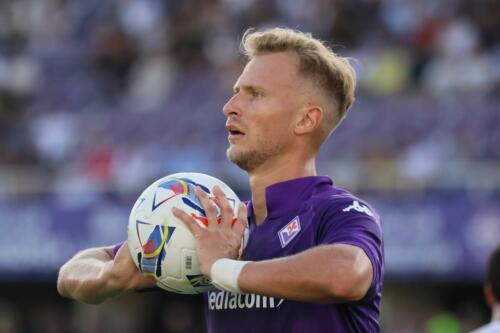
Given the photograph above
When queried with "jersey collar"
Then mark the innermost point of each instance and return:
(286, 196)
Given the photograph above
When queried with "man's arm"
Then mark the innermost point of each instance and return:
(323, 274)
(93, 275)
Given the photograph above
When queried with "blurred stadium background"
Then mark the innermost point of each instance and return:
(99, 98)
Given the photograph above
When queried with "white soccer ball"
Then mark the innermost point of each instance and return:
(161, 245)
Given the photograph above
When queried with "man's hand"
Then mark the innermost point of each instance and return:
(124, 274)
(93, 275)
(223, 235)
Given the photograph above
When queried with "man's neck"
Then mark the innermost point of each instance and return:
(496, 313)
(267, 175)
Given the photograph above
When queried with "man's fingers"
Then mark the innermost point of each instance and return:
(208, 206)
(226, 209)
(241, 221)
(188, 221)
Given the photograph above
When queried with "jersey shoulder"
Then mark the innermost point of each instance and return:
(341, 203)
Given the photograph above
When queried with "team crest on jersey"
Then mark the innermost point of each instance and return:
(288, 232)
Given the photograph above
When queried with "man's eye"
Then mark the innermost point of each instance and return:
(257, 94)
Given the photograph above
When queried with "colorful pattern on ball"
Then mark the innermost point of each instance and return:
(153, 250)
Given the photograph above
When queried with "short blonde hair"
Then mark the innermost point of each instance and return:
(331, 73)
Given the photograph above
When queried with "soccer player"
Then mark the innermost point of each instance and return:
(314, 257)
(492, 293)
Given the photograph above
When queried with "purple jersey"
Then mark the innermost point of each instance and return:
(303, 213)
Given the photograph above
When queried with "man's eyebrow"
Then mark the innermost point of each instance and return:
(248, 87)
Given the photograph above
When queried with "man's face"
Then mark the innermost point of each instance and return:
(261, 112)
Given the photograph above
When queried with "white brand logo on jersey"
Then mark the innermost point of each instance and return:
(288, 232)
(359, 208)
(225, 300)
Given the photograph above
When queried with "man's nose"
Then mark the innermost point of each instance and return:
(231, 108)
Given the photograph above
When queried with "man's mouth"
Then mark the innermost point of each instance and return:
(234, 132)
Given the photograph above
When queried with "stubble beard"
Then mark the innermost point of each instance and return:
(251, 159)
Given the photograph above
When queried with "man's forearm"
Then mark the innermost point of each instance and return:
(85, 277)
(325, 274)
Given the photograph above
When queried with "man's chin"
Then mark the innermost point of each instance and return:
(236, 156)
(232, 154)
(250, 159)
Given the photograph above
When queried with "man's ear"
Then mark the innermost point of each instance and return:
(309, 120)
(490, 297)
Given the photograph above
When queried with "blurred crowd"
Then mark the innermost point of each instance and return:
(436, 309)
(133, 313)
(111, 94)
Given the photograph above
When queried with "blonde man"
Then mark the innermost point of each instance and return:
(314, 257)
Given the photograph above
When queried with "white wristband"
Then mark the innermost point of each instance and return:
(225, 273)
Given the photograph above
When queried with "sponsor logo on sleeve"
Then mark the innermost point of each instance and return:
(359, 208)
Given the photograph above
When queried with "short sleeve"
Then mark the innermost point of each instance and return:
(361, 228)
(116, 248)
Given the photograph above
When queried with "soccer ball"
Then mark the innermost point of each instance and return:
(161, 245)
